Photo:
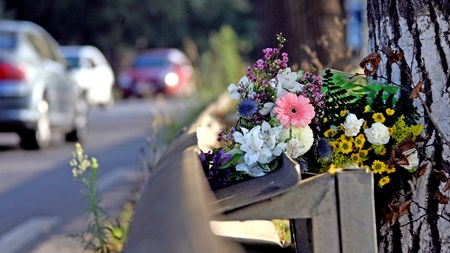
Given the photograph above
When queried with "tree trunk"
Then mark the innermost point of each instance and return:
(315, 31)
(421, 31)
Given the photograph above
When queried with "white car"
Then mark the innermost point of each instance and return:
(92, 72)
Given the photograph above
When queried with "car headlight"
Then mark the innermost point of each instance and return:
(171, 79)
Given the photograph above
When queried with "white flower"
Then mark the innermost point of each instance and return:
(261, 144)
(276, 85)
(287, 79)
(252, 170)
(244, 83)
(378, 134)
(302, 140)
(267, 108)
(234, 94)
(252, 145)
(413, 160)
(352, 125)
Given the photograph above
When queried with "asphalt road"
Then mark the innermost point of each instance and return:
(40, 203)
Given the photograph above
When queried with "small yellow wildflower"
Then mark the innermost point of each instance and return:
(341, 128)
(345, 147)
(343, 113)
(329, 133)
(364, 126)
(355, 158)
(325, 120)
(391, 131)
(383, 151)
(390, 111)
(367, 108)
(332, 169)
(360, 140)
(383, 181)
(390, 169)
(378, 167)
(378, 117)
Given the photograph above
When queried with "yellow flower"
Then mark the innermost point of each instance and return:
(363, 153)
(378, 117)
(333, 144)
(325, 120)
(360, 140)
(329, 133)
(355, 158)
(364, 126)
(346, 138)
(383, 151)
(340, 128)
(343, 113)
(367, 108)
(390, 111)
(363, 166)
(390, 169)
(378, 167)
(332, 169)
(391, 131)
(383, 181)
(345, 147)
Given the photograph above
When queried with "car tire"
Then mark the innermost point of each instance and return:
(79, 130)
(40, 136)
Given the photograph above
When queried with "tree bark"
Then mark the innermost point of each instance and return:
(315, 31)
(421, 31)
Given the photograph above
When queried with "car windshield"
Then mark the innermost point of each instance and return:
(7, 40)
(150, 61)
(73, 62)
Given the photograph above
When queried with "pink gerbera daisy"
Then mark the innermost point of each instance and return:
(294, 110)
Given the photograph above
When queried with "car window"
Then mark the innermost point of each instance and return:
(26, 50)
(73, 62)
(40, 46)
(150, 61)
(8, 40)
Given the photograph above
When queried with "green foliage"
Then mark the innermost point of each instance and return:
(339, 95)
(402, 130)
(220, 65)
(100, 237)
(353, 93)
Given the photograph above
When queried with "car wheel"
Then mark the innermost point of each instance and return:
(40, 136)
(79, 130)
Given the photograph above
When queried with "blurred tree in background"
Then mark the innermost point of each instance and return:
(315, 30)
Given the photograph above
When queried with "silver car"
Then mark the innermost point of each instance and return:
(37, 95)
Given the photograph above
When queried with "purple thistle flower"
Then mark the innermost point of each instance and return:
(247, 108)
(323, 149)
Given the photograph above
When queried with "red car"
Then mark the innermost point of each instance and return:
(164, 70)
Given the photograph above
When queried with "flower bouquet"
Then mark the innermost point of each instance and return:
(322, 120)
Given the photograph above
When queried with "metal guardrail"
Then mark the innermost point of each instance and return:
(177, 204)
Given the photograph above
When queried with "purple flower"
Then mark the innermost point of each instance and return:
(323, 149)
(247, 108)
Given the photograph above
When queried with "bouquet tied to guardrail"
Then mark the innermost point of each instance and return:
(322, 120)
